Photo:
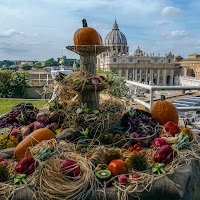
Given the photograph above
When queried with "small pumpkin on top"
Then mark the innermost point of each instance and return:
(164, 111)
(87, 36)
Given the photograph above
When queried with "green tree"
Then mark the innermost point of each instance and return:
(68, 62)
(12, 84)
(26, 67)
(5, 83)
(14, 68)
(7, 63)
(38, 65)
(51, 62)
(19, 83)
(58, 59)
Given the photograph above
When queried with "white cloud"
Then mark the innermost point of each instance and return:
(171, 11)
(177, 34)
(10, 33)
(163, 23)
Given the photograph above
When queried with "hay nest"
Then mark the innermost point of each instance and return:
(52, 184)
(95, 123)
(76, 83)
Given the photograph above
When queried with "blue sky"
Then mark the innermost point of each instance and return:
(40, 29)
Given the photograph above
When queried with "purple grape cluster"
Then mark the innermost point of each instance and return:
(11, 120)
(142, 126)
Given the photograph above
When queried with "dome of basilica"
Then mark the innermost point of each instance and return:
(115, 36)
(138, 52)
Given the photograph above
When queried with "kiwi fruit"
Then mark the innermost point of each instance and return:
(103, 175)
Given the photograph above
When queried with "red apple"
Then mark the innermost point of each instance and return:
(5, 163)
(143, 152)
(174, 130)
(135, 176)
(14, 133)
(122, 179)
(70, 167)
(95, 81)
(168, 125)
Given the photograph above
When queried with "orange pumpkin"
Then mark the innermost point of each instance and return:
(22, 149)
(87, 36)
(164, 111)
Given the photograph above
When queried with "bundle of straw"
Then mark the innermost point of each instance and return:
(52, 184)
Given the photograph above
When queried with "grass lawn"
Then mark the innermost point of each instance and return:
(7, 104)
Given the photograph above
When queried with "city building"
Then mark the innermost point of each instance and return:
(26, 63)
(40, 77)
(190, 65)
(43, 76)
(140, 66)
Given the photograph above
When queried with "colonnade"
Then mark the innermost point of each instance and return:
(148, 75)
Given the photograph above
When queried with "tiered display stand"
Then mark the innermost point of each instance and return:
(88, 60)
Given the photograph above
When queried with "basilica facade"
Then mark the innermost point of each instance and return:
(140, 66)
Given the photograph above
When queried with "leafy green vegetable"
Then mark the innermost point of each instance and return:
(132, 112)
(158, 168)
(183, 141)
(85, 132)
(43, 154)
(20, 179)
(22, 120)
(95, 112)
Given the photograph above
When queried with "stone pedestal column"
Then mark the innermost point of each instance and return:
(88, 64)
(172, 77)
(164, 76)
(158, 77)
